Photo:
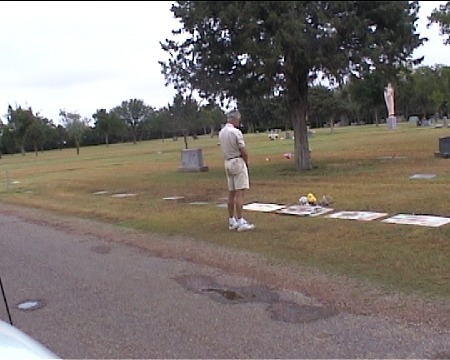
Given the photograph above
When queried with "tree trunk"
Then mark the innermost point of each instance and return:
(106, 140)
(298, 99)
(185, 135)
(134, 134)
(302, 153)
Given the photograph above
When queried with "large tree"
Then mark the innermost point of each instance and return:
(20, 120)
(185, 112)
(133, 113)
(423, 88)
(369, 93)
(235, 49)
(323, 107)
(36, 133)
(211, 116)
(108, 124)
(75, 125)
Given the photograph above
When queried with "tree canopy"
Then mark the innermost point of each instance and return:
(232, 50)
(76, 126)
(133, 113)
(441, 17)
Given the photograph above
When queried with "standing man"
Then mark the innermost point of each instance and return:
(235, 156)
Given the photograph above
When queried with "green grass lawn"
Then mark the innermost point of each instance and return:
(364, 168)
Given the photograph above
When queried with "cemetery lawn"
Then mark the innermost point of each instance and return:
(362, 168)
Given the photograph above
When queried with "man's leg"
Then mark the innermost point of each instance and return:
(231, 203)
(239, 203)
(232, 221)
(243, 225)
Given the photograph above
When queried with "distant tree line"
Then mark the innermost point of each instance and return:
(132, 121)
(422, 92)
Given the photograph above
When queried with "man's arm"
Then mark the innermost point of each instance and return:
(244, 154)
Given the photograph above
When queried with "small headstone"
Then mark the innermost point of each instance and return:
(391, 122)
(444, 147)
(192, 161)
(413, 119)
(426, 122)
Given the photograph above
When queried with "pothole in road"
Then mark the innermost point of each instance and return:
(279, 310)
(229, 295)
(234, 295)
(195, 283)
(295, 313)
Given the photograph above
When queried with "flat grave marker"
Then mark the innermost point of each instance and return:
(422, 176)
(304, 210)
(420, 220)
(263, 207)
(357, 215)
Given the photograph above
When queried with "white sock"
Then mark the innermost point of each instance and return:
(232, 220)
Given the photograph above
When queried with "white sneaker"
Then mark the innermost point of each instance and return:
(233, 225)
(245, 226)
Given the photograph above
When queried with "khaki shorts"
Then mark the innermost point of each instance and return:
(237, 174)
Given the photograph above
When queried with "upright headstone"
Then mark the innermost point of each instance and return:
(192, 161)
(444, 147)
(391, 122)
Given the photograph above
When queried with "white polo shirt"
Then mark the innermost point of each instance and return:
(231, 141)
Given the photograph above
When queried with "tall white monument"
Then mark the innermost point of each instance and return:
(389, 99)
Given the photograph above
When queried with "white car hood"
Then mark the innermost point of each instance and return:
(15, 344)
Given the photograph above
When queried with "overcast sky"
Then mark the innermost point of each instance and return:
(81, 56)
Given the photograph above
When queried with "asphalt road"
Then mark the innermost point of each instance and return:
(102, 299)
